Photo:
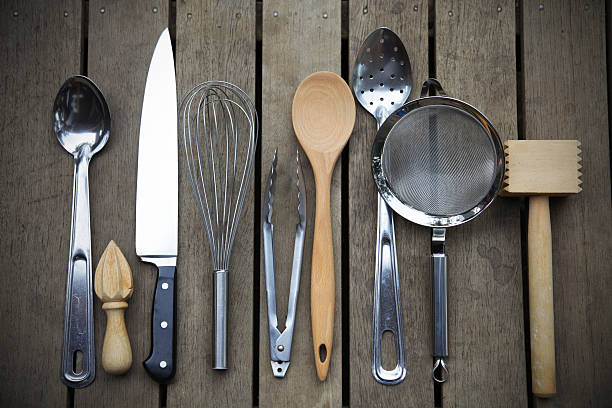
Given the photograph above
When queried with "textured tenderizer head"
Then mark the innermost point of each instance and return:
(542, 167)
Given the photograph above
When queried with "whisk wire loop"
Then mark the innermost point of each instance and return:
(219, 128)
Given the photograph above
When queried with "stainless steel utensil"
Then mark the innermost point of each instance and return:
(438, 162)
(82, 123)
(382, 80)
(157, 203)
(280, 343)
(220, 129)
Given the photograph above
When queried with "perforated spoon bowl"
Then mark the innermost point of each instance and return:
(382, 80)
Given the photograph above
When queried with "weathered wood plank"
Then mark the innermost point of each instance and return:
(564, 56)
(215, 41)
(295, 43)
(476, 62)
(409, 21)
(120, 44)
(40, 49)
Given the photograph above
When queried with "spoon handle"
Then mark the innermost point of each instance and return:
(78, 361)
(387, 304)
(322, 279)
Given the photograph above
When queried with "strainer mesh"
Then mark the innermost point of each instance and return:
(439, 160)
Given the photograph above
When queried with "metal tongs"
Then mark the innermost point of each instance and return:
(280, 343)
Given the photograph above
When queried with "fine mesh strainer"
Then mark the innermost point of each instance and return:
(438, 162)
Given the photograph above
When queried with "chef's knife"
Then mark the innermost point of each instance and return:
(157, 202)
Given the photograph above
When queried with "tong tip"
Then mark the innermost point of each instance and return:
(301, 190)
(270, 188)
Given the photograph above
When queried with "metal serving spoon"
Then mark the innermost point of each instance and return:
(382, 80)
(82, 123)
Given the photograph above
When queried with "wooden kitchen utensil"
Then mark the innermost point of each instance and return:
(323, 115)
(114, 286)
(539, 169)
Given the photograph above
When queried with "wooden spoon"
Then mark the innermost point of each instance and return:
(323, 118)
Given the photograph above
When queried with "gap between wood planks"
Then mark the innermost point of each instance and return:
(524, 211)
(431, 63)
(607, 6)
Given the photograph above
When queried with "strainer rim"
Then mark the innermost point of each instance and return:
(405, 210)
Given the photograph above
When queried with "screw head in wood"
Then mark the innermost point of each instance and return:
(325, 15)
(155, 10)
(275, 14)
(102, 10)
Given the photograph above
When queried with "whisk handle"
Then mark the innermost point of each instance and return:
(322, 281)
(220, 329)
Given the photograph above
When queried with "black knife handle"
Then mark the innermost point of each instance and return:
(161, 363)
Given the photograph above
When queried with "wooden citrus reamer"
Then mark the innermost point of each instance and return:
(539, 169)
(114, 286)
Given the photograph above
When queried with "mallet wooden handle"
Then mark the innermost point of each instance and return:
(322, 279)
(541, 312)
(116, 351)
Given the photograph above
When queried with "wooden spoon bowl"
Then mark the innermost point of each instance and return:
(323, 115)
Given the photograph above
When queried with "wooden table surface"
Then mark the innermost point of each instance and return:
(537, 69)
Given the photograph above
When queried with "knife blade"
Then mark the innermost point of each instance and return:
(157, 202)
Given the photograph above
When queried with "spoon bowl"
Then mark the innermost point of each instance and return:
(82, 123)
(81, 115)
(323, 118)
(323, 115)
(382, 74)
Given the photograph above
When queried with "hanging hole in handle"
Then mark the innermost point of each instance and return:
(389, 357)
(322, 353)
(440, 372)
(77, 362)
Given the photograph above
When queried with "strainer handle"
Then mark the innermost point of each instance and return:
(430, 87)
(387, 306)
(440, 329)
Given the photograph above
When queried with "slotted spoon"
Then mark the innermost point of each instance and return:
(382, 80)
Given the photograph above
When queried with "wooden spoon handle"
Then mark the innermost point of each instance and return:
(541, 312)
(322, 280)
